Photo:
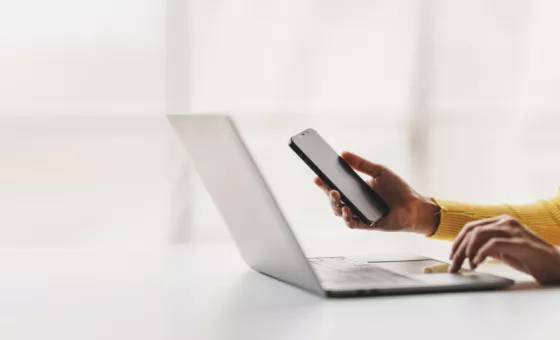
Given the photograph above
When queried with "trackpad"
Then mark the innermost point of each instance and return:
(407, 267)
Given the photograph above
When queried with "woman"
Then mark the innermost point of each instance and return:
(522, 236)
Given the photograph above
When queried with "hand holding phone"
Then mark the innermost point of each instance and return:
(355, 193)
(407, 209)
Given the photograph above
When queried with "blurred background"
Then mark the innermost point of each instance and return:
(459, 97)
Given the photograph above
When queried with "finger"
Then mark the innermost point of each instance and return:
(372, 183)
(458, 258)
(501, 246)
(467, 229)
(350, 220)
(363, 165)
(479, 236)
(319, 182)
(347, 217)
(336, 204)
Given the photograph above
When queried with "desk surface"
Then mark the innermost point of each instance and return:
(176, 294)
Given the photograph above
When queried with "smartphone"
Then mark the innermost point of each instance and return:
(366, 205)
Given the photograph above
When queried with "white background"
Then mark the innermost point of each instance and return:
(459, 97)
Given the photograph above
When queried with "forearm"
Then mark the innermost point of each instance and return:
(542, 217)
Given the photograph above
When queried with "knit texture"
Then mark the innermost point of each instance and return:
(542, 217)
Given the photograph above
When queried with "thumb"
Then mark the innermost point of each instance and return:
(362, 165)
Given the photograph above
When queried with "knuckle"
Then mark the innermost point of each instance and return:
(507, 218)
(516, 224)
(515, 232)
(383, 169)
(467, 229)
(522, 241)
(494, 243)
(472, 228)
(505, 229)
(476, 233)
(469, 225)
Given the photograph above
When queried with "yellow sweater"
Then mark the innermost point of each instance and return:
(542, 217)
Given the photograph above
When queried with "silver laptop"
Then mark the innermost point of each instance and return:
(266, 241)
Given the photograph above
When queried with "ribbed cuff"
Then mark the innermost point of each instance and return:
(453, 217)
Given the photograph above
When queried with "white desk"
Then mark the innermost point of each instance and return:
(175, 294)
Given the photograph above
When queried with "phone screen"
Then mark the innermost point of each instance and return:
(338, 175)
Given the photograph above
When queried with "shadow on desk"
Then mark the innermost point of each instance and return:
(266, 292)
(260, 307)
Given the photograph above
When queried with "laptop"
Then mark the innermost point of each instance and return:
(266, 241)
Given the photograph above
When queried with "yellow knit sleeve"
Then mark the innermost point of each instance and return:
(542, 217)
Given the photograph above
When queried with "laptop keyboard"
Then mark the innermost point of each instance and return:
(340, 270)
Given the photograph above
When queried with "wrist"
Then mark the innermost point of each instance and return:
(429, 216)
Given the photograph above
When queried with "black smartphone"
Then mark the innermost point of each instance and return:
(366, 205)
